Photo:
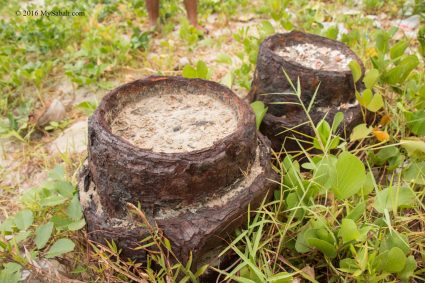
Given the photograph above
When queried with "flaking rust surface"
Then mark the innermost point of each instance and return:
(336, 92)
(123, 172)
(202, 228)
(197, 198)
(282, 131)
(269, 82)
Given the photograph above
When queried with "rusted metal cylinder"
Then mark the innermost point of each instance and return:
(196, 197)
(335, 86)
(123, 173)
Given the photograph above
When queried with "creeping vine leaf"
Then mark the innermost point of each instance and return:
(349, 176)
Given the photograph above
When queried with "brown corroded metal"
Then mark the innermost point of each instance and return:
(336, 87)
(123, 172)
(288, 133)
(336, 92)
(197, 198)
(202, 230)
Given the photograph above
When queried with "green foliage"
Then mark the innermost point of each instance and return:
(392, 198)
(360, 132)
(414, 147)
(53, 125)
(250, 43)
(370, 78)
(10, 273)
(351, 210)
(139, 39)
(396, 66)
(390, 157)
(87, 107)
(348, 231)
(42, 234)
(201, 71)
(277, 10)
(355, 70)
(416, 122)
(51, 210)
(260, 111)
(190, 34)
(421, 39)
(393, 260)
(60, 247)
(415, 173)
(349, 176)
(325, 138)
(16, 123)
(372, 5)
(372, 102)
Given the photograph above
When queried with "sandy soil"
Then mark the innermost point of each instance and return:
(175, 122)
(315, 57)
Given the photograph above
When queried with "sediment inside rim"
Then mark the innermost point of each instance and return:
(174, 122)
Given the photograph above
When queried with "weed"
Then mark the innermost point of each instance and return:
(353, 212)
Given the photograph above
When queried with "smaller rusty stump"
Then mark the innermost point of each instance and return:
(187, 151)
(320, 64)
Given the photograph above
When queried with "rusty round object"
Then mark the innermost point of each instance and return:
(124, 173)
(196, 198)
(336, 86)
(286, 123)
(202, 229)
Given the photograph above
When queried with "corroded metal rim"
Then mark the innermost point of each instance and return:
(333, 86)
(297, 37)
(201, 230)
(244, 115)
(124, 173)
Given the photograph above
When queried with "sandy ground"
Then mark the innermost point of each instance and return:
(178, 122)
(315, 57)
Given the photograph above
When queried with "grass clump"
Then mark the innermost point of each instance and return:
(351, 212)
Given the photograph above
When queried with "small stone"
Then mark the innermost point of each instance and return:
(407, 27)
(73, 139)
(183, 61)
(55, 112)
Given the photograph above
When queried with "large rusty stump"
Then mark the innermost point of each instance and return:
(329, 75)
(196, 197)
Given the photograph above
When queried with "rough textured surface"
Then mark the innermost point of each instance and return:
(315, 57)
(123, 172)
(202, 229)
(197, 198)
(282, 130)
(174, 122)
(335, 94)
(269, 81)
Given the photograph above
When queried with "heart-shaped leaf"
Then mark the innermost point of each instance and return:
(349, 176)
(393, 261)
